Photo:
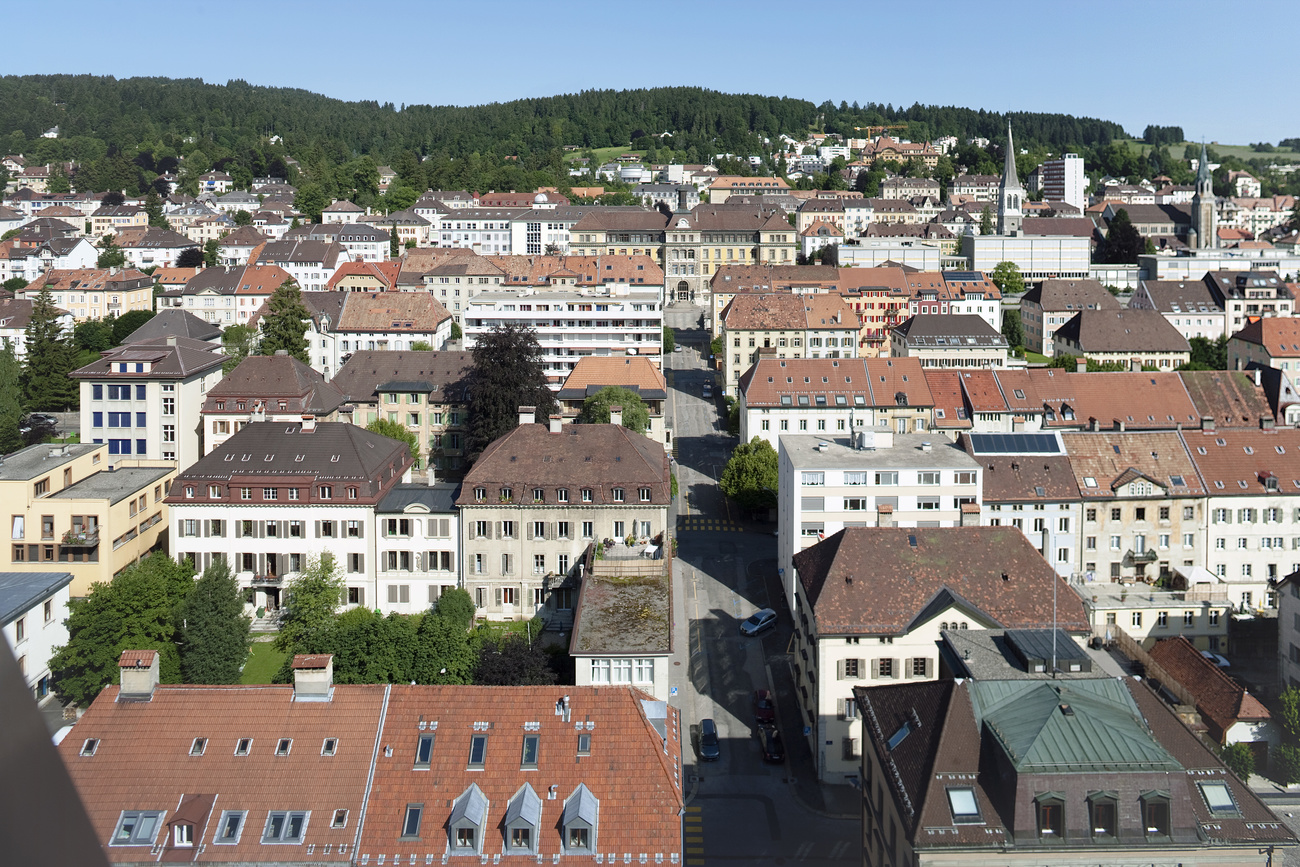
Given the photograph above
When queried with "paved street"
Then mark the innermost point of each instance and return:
(740, 809)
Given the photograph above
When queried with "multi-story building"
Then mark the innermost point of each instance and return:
(637, 373)
(962, 293)
(729, 281)
(872, 603)
(1268, 343)
(1288, 626)
(152, 248)
(16, 316)
(1039, 257)
(1063, 180)
(346, 322)
(111, 219)
(623, 629)
(1188, 305)
(68, 503)
(954, 340)
(538, 497)
(276, 494)
(228, 296)
(365, 243)
(294, 778)
(876, 479)
(96, 293)
(1143, 504)
(572, 321)
(143, 399)
(1147, 614)
(1126, 336)
(1052, 303)
(725, 186)
(417, 540)
(276, 388)
(827, 397)
(709, 237)
(33, 608)
(428, 392)
(310, 263)
(1244, 295)
(787, 326)
(486, 231)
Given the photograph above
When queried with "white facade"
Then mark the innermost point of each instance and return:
(878, 252)
(1038, 257)
(1288, 637)
(1063, 180)
(417, 555)
(486, 231)
(146, 418)
(1254, 542)
(1147, 615)
(327, 348)
(34, 631)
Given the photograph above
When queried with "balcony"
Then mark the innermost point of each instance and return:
(1147, 556)
(80, 538)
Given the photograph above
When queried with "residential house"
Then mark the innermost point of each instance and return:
(728, 281)
(215, 182)
(900, 187)
(955, 340)
(346, 322)
(791, 326)
(538, 497)
(636, 373)
(1288, 628)
(1131, 336)
(230, 295)
(309, 263)
(954, 293)
(1229, 399)
(153, 248)
(143, 399)
(417, 541)
(872, 604)
(677, 197)
(112, 219)
(365, 277)
(32, 618)
(363, 242)
(1050, 304)
(1270, 342)
(236, 201)
(623, 625)
(342, 211)
(16, 315)
(1148, 614)
(96, 293)
(236, 248)
(1188, 305)
(278, 493)
(725, 186)
(69, 502)
(873, 478)
(275, 388)
(425, 391)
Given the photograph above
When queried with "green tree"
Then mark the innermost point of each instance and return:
(507, 373)
(211, 250)
(11, 399)
(1012, 329)
(750, 477)
(986, 221)
(446, 650)
(238, 342)
(309, 610)
(1006, 276)
(456, 333)
(595, 409)
(394, 244)
(1123, 241)
(310, 200)
(1289, 713)
(456, 606)
(13, 284)
(127, 323)
(154, 208)
(134, 611)
(110, 255)
(1286, 763)
(670, 339)
(1239, 759)
(58, 184)
(1209, 354)
(50, 358)
(285, 327)
(190, 257)
(214, 636)
(93, 335)
(421, 346)
(242, 218)
(395, 430)
(370, 648)
(513, 661)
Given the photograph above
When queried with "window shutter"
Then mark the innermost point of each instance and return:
(318, 529)
(840, 710)
(498, 535)
(928, 663)
(361, 529)
(392, 594)
(875, 669)
(444, 528)
(498, 595)
(839, 669)
(433, 527)
(361, 596)
(261, 564)
(239, 529)
(404, 593)
(433, 593)
(207, 527)
(284, 529)
(894, 665)
(907, 669)
(862, 667)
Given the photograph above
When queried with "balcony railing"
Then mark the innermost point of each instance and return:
(80, 538)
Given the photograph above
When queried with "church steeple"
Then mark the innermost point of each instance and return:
(1203, 233)
(1010, 194)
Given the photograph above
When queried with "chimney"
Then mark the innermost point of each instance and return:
(1118, 425)
(1081, 365)
(556, 422)
(884, 516)
(1093, 424)
(313, 677)
(433, 476)
(1257, 377)
(616, 415)
(308, 423)
(970, 515)
(1266, 423)
(527, 415)
(139, 670)
(171, 340)
(1207, 424)
(282, 352)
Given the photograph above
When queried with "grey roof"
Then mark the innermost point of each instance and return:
(1105, 733)
(1055, 295)
(927, 329)
(367, 371)
(114, 486)
(1182, 296)
(525, 806)
(470, 806)
(276, 377)
(987, 654)
(223, 281)
(175, 322)
(582, 804)
(334, 450)
(906, 452)
(38, 460)
(1124, 330)
(439, 498)
(276, 252)
(182, 359)
(19, 591)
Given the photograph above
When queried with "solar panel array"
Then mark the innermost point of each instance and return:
(1015, 444)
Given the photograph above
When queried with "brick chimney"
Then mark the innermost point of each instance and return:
(616, 415)
(139, 669)
(527, 415)
(313, 677)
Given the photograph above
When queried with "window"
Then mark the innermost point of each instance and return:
(1101, 815)
(242, 746)
(89, 746)
(464, 838)
(1218, 798)
(326, 492)
(283, 747)
(137, 828)
(232, 822)
(927, 478)
(586, 495)
(1189, 618)
(340, 819)
(588, 530)
(1051, 818)
(645, 495)
(411, 824)
(813, 478)
(577, 838)
(284, 827)
(965, 809)
(562, 495)
(885, 667)
(618, 495)
(890, 478)
(1137, 619)
(329, 746)
(1155, 814)
(1115, 514)
(477, 752)
(529, 758)
(198, 746)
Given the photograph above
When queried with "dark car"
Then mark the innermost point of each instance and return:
(764, 707)
(760, 621)
(709, 750)
(770, 740)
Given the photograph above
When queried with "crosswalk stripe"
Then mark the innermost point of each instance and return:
(694, 850)
(693, 809)
(694, 839)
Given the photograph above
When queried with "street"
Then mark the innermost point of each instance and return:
(739, 808)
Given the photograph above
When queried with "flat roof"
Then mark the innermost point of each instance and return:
(19, 591)
(907, 451)
(623, 615)
(1125, 596)
(37, 460)
(113, 485)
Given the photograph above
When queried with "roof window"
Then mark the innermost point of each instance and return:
(965, 808)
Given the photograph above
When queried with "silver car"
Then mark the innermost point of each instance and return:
(760, 621)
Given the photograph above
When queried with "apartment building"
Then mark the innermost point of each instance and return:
(364, 243)
(143, 399)
(152, 248)
(1148, 614)
(1126, 336)
(16, 316)
(1050, 304)
(637, 373)
(95, 293)
(343, 323)
(539, 496)
(278, 493)
(276, 388)
(111, 219)
(417, 546)
(954, 340)
(872, 603)
(310, 263)
(787, 326)
(1189, 305)
(228, 296)
(873, 479)
(728, 281)
(1266, 342)
(33, 608)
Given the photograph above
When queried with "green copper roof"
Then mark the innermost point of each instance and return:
(1069, 726)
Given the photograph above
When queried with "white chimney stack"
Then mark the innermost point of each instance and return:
(616, 415)
(308, 423)
(556, 422)
(313, 677)
(139, 669)
(527, 415)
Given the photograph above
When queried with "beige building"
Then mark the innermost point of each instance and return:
(1127, 336)
(111, 219)
(637, 373)
(76, 509)
(1147, 614)
(785, 326)
(537, 498)
(97, 293)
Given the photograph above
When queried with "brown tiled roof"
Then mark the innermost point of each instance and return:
(1231, 398)
(874, 581)
(391, 311)
(385, 272)
(1062, 295)
(1139, 399)
(736, 182)
(368, 370)
(596, 456)
(1278, 335)
(877, 381)
(1123, 330)
(185, 358)
(1018, 390)
(261, 279)
(174, 276)
(949, 406)
(1220, 700)
(1244, 462)
(595, 370)
(980, 388)
(586, 270)
(244, 236)
(17, 312)
(733, 278)
(1019, 478)
(418, 261)
(1112, 459)
(274, 378)
(777, 312)
(90, 279)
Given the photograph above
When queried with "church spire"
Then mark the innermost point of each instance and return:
(1009, 170)
(1010, 194)
(1203, 167)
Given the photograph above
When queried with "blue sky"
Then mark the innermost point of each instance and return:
(1168, 63)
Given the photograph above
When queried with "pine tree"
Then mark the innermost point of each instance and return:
(50, 357)
(506, 375)
(11, 395)
(286, 325)
(214, 628)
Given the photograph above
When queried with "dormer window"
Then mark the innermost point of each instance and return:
(1155, 814)
(965, 808)
(579, 821)
(562, 495)
(586, 495)
(465, 827)
(523, 821)
(480, 494)
(1102, 815)
(1049, 809)
(618, 495)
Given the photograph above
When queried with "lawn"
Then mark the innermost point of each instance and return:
(1244, 152)
(604, 155)
(263, 663)
(1034, 358)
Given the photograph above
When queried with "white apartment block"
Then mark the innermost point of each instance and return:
(417, 539)
(33, 607)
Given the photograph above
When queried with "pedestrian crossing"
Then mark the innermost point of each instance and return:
(694, 828)
(695, 522)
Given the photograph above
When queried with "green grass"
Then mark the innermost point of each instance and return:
(1034, 358)
(604, 155)
(263, 663)
(1244, 152)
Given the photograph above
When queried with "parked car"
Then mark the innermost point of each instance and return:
(758, 622)
(709, 750)
(770, 740)
(764, 707)
(677, 348)
(708, 390)
(1217, 659)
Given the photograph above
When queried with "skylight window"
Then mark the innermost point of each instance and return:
(283, 747)
(88, 748)
(243, 746)
(199, 745)
(477, 751)
(897, 737)
(965, 809)
(1219, 798)
(1089, 482)
(329, 747)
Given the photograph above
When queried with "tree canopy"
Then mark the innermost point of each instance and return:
(285, 326)
(1123, 240)
(214, 635)
(238, 342)
(595, 409)
(507, 373)
(1007, 277)
(308, 613)
(396, 431)
(750, 477)
(50, 358)
(11, 400)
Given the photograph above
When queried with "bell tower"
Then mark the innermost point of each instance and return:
(1011, 195)
(1204, 232)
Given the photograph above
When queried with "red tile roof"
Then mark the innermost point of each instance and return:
(1139, 399)
(1244, 462)
(1279, 336)
(1220, 700)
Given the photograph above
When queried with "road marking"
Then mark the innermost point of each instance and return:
(694, 850)
(694, 839)
(692, 810)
